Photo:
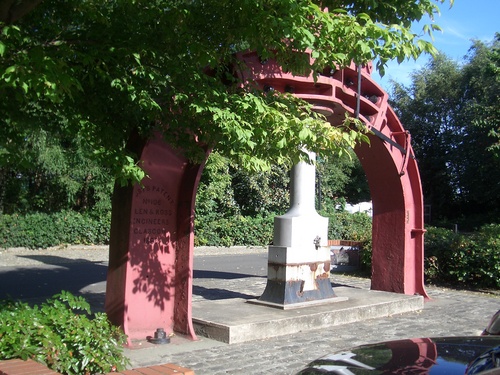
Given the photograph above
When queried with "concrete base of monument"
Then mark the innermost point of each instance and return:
(235, 320)
(298, 305)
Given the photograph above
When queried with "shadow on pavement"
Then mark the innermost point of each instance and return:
(36, 283)
(214, 294)
(55, 274)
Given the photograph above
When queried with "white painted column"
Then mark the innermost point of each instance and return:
(299, 259)
(301, 221)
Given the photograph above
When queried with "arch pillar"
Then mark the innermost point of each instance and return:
(397, 234)
(150, 272)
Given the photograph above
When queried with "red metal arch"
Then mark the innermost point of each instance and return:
(151, 245)
(388, 161)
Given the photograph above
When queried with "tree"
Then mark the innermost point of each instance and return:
(12, 10)
(480, 171)
(48, 173)
(451, 110)
(215, 196)
(265, 193)
(340, 180)
(226, 190)
(103, 71)
(427, 109)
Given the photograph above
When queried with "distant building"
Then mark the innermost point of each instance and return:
(360, 207)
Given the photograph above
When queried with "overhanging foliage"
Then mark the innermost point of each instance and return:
(104, 70)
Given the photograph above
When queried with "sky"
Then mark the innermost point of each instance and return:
(467, 20)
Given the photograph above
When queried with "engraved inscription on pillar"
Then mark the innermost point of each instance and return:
(152, 216)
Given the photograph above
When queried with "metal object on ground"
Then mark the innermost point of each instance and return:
(160, 337)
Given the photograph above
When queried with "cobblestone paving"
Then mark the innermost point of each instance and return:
(449, 313)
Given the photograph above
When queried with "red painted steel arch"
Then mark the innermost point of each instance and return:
(388, 161)
(150, 272)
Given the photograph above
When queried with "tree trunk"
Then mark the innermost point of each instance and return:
(12, 10)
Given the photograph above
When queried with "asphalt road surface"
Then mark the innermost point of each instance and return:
(38, 275)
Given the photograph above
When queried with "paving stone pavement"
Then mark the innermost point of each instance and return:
(449, 313)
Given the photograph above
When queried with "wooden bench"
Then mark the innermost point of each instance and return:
(30, 367)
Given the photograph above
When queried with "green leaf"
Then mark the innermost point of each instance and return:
(10, 69)
(304, 133)
(137, 58)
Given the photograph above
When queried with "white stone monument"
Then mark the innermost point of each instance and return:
(299, 259)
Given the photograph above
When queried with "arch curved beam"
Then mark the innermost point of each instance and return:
(388, 161)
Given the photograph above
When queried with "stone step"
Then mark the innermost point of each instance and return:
(238, 320)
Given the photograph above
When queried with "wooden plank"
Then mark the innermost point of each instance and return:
(20, 367)
(166, 369)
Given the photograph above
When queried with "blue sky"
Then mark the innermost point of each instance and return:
(465, 21)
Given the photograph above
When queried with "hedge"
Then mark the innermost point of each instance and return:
(40, 230)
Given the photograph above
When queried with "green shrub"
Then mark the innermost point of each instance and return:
(60, 334)
(365, 255)
(235, 230)
(41, 230)
(464, 259)
(346, 226)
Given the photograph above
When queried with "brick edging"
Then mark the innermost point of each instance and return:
(20, 367)
(166, 369)
(29, 367)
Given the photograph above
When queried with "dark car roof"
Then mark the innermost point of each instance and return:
(443, 355)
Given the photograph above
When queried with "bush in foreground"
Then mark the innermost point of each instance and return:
(60, 334)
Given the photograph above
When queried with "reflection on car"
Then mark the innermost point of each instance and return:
(493, 328)
(442, 355)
